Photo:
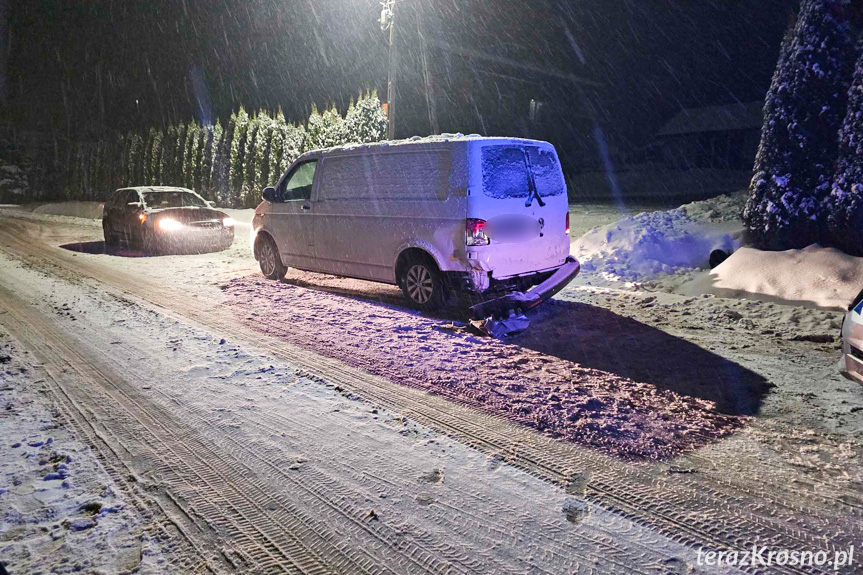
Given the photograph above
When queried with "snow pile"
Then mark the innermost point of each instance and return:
(74, 209)
(652, 243)
(814, 276)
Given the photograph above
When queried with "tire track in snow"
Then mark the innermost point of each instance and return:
(695, 510)
(153, 433)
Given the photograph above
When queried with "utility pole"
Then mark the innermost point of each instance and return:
(388, 8)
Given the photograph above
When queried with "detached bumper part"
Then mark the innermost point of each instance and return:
(489, 327)
(502, 306)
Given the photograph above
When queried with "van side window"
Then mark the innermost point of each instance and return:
(298, 185)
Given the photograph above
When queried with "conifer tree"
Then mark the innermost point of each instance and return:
(325, 130)
(214, 140)
(315, 129)
(222, 163)
(146, 168)
(189, 155)
(238, 150)
(296, 144)
(169, 151)
(262, 151)
(366, 121)
(250, 163)
(845, 204)
(803, 114)
(198, 160)
(179, 151)
(156, 157)
(278, 136)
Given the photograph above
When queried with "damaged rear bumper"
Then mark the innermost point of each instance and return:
(500, 307)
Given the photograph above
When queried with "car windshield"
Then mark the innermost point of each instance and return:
(174, 199)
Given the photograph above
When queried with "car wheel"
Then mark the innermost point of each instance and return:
(270, 260)
(422, 285)
(111, 239)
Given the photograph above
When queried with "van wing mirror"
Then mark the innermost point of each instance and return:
(270, 194)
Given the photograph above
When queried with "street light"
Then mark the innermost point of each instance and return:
(388, 8)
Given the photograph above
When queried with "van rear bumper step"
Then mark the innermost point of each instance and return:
(500, 307)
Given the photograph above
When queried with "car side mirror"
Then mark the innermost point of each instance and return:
(270, 195)
(211, 203)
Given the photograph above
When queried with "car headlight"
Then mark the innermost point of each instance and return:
(228, 222)
(169, 225)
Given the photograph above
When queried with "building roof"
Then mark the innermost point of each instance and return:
(747, 116)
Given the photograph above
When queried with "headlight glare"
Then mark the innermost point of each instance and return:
(169, 225)
(228, 222)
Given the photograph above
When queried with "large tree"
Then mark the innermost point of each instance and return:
(803, 113)
(845, 205)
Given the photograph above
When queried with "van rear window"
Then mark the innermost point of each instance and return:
(505, 172)
(392, 176)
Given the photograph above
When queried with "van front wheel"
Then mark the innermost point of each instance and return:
(422, 286)
(270, 260)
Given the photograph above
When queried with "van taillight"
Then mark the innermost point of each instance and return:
(567, 223)
(474, 232)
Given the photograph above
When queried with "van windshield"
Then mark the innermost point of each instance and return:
(505, 172)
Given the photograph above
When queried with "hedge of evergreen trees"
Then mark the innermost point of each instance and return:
(808, 181)
(229, 164)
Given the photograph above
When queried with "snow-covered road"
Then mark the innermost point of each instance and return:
(285, 450)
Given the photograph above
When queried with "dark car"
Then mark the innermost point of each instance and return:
(163, 219)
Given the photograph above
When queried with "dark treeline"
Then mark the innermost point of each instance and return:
(228, 164)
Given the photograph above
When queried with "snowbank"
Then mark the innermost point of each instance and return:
(643, 246)
(85, 210)
(814, 276)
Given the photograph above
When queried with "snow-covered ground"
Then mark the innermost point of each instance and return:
(791, 456)
(182, 407)
(60, 510)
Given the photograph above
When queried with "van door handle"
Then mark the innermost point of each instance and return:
(305, 207)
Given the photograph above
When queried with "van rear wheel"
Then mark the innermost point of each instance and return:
(270, 260)
(422, 284)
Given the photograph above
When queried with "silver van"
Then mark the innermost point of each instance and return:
(430, 215)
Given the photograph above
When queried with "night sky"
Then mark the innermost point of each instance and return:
(78, 68)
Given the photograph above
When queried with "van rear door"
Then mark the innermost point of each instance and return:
(520, 194)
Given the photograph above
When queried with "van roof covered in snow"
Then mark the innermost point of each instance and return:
(419, 141)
